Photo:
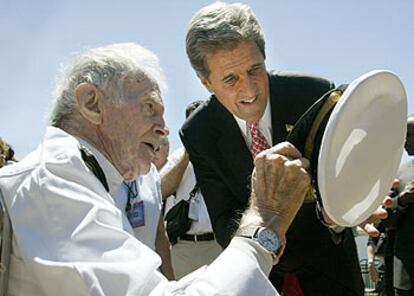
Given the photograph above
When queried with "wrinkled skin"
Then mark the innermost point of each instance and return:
(279, 176)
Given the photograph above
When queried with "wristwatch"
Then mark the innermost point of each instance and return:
(265, 237)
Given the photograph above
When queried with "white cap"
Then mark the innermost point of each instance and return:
(361, 147)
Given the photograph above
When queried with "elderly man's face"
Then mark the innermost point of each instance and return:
(239, 80)
(131, 133)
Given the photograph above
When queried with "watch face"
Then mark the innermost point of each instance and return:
(268, 239)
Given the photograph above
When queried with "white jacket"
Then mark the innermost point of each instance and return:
(69, 238)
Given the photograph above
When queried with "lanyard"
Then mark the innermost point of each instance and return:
(94, 166)
(132, 194)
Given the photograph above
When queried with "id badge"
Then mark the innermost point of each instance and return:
(194, 209)
(136, 215)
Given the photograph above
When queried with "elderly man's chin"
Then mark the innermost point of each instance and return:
(142, 168)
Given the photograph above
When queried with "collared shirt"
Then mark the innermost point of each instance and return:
(69, 238)
(265, 126)
(113, 177)
(198, 208)
(149, 193)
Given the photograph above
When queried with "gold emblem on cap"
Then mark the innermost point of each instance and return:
(327, 106)
(289, 127)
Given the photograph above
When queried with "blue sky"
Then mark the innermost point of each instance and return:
(335, 39)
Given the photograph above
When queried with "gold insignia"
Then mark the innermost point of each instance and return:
(289, 127)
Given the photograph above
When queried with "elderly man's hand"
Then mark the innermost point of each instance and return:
(279, 184)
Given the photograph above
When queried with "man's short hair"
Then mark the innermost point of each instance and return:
(6, 152)
(191, 107)
(106, 68)
(221, 26)
(409, 140)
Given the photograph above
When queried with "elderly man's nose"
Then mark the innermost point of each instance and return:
(163, 131)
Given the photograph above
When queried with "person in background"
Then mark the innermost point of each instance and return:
(382, 248)
(402, 205)
(69, 236)
(152, 180)
(6, 153)
(198, 246)
(161, 156)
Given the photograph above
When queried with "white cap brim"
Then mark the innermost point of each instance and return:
(362, 147)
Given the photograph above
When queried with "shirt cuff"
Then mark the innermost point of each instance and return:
(255, 251)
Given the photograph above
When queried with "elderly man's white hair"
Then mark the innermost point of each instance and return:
(106, 68)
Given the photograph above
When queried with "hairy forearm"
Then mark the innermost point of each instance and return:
(370, 252)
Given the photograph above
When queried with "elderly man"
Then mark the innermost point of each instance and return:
(251, 109)
(69, 237)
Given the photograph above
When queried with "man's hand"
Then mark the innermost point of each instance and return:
(407, 196)
(279, 184)
(368, 225)
(381, 213)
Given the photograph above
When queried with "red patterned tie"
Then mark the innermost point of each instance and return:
(259, 142)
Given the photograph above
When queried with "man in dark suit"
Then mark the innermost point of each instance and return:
(225, 45)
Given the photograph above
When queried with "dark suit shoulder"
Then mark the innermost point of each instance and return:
(301, 85)
(291, 94)
(202, 124)
(300, 78)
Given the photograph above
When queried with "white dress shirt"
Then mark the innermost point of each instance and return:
(149, 193)
(198, 209)
(70, 238)
(265, 126)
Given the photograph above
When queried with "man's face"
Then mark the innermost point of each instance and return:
(131, 132)
(409, 142)
(239, 80)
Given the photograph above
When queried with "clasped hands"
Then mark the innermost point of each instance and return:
(279, 183)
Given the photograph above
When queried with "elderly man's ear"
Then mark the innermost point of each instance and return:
(89, 100)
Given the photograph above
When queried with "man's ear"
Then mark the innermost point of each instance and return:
(206, 83)
(89, 102)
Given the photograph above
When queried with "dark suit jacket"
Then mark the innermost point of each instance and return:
(404, 234)
(223, 166)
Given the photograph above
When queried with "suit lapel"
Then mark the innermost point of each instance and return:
(278, 106)
(238, 162)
